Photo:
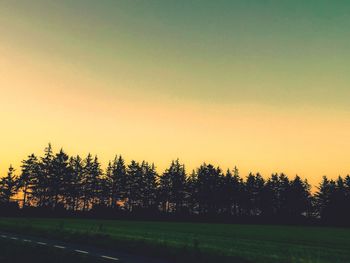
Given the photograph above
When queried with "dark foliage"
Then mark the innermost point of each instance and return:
(57, 184)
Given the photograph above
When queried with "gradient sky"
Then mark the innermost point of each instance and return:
(264, 85)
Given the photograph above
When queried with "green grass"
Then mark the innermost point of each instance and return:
(19, 252)
(186, 241)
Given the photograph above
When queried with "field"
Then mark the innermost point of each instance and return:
(183, 242)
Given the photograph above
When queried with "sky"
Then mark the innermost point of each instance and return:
(260, 84)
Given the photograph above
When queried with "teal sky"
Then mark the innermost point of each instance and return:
(266, 52)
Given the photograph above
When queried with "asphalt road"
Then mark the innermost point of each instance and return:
(107, 255)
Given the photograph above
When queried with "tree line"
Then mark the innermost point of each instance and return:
(57, 182)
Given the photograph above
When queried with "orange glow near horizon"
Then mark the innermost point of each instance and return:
(66, 109)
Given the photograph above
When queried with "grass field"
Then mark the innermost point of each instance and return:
(207, 242)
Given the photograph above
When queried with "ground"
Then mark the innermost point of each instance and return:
(185, 241)
(17, 252)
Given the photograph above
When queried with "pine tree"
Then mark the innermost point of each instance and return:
(324, 198)
(191, 190)
(134, 186)
(172, 184)
(74, 185)
(298, 197)
(29, 178)
(164, 191)
(209, 185)
(110, 183)
(253, 189)
(346, 208)
(87, 182)
(8, 186)
(97, 182)
(45, 187)
(149, 189)
(236, 191)
(60, 178)
(117, 180)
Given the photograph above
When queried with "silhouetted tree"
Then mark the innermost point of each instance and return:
(134, 186)
(172, 186)
(324, 197)
(29, 179)
(252, 194)
(298, 199)
(74, 185)
(347, 198)
(210, 181)
(45, 189)
(60, 178)
(58, 182)
(235, 190)
(149, 187)
(97, 182)
(117, 180)
(332, 197)
(268, 200)
(191, 191)
(8, 186)
(88, 182)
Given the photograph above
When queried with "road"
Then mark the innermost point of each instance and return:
(108, 255)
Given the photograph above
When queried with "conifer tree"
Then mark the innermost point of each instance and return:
(74, 186)
(8, 186)
(29, 179)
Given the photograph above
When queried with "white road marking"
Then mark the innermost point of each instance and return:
(61, 247)
(81, 251)
(56, 246)
(111, 258)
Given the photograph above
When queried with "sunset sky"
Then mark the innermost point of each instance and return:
(264, 85)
